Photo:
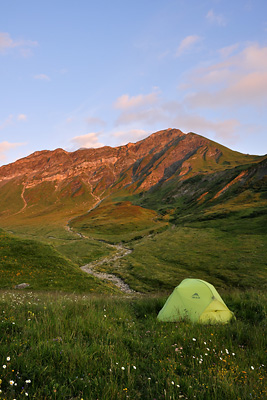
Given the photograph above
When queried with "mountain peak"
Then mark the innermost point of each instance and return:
(88, 175)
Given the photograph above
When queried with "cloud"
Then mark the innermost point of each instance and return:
(8, 121)
(95, 121)
(42, 77)
(221, 129)
(5, 147)
(90, 140)
(131, 135)
(11, 119)
(187, 43)
(22, 117)
(239, 80)
(147, 116)
(6, 43)
(125, 102)
(141, 108)
(225, 52)
(217, 19)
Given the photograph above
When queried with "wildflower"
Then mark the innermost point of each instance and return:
(8, 358)
(134, 367)
(149, 379)
(233, 354)
(123, 368)
(194, 340)
(252, 367)
(11, 383)
(172, 383)
(4, 366)
(178, 385)
(227, 352)
(26, 394)
(28, 381)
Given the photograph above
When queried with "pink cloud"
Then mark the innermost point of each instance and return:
(217, 19)
(125, 102)
(6, 42)
(240, 79)
(5, 147)
(90, 140)
(187, 43)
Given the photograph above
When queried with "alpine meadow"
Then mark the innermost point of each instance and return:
(100, 238)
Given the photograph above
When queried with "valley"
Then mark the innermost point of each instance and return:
(151, 213)
(102, 237)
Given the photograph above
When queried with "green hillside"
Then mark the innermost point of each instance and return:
(44, 268)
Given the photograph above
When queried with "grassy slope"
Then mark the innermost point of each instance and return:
(226, 259)
(72, 347)
(44, 268)
(118, 221)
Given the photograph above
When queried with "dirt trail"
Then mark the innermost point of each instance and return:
(121, 251)
(23, 199)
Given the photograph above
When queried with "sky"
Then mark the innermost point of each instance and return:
(89, 73)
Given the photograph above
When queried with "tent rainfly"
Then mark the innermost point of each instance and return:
(197, 301)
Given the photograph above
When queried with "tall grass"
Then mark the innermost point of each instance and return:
(81, 347)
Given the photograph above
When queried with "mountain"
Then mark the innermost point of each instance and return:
(169, 170)
(152, 213)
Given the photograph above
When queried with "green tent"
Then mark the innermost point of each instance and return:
(196, 300)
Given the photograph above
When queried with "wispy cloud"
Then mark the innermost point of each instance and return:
(131, 135)
(22, 117)
(11, 119)
(42, 77)
(187, 44)
(217, 19)
(5, 147)
(227, 51)
(126, 102)
(89, 140)
(95, 121)
(137, 109)
(6, 43)
(8, 121)
(239, 80)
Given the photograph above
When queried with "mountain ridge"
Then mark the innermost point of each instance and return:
(164, 161)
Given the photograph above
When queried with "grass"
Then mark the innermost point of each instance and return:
(118, 221)
(44, 268)
(224, 258)
(84, 347)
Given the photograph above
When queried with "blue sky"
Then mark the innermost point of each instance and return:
(85, 73)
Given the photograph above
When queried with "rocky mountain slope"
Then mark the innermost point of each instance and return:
(167, 168)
